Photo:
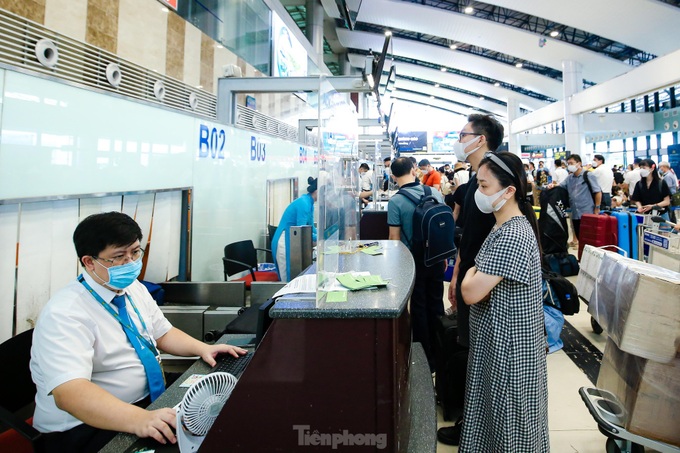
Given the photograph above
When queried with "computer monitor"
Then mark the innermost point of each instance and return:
(263, 320)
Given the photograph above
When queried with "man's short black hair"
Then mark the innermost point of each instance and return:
(489, 127)
(576, 157)
(637, 161)
(401, 166)
(599, 157)
(424, 163)
(387, 159)
(364, 166)
(558, 162)
(99, 231)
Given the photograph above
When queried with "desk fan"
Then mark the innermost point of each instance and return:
(200, 407)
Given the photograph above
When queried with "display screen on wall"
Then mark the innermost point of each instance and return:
(289, 56)
(412, 141)
(442, 141)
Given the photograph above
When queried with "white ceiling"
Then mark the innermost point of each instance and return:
(647, 25)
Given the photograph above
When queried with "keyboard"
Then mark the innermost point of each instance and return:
(232, 365)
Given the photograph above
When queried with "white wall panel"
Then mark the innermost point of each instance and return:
(65, 266)
(49, 133)
(9, 225)
(35, 262)
(157, 247)
(175, 226)
(143, 215)
(229, 198)
(97, 205)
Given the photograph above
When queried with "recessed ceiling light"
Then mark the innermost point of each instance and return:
(518, 65)
(164, 9)
(436, 85)
(199, 86)
(496, 84)
(219, 46)
(481, 98)
(442, 69)
(469, 10)
(431, 97)
(453, 47)
(554, 33)
(388, 33)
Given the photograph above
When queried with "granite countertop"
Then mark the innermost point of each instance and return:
(395, 264)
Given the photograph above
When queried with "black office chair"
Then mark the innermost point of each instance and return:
(271, 231)
(17, 395)
(242, 256)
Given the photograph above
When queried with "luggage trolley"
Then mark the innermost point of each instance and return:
(608, 413)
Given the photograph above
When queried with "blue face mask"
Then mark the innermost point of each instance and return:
(120, 277)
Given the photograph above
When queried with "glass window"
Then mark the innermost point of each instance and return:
(241, 27)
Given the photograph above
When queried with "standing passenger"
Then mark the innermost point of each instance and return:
(431, 177)
(605, 178)
(668, 175)
(480, 135)
(506, 399)
(428, 292)
(299, 213)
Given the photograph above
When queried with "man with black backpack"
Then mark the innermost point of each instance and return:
(428, 291)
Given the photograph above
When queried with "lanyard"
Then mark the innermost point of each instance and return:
(113, 313)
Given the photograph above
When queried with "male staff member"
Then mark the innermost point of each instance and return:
(95, 355)
(428, 292)
(480, 135)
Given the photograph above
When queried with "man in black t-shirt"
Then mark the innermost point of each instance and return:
(480, 135)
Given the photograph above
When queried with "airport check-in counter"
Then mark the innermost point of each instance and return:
(344, 368)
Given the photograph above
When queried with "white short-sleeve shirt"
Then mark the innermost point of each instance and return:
(76, 337)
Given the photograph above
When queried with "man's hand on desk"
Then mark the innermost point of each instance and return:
(209, 353)
(159, 424)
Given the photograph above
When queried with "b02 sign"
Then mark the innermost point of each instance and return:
(211, 142)
(257, 149)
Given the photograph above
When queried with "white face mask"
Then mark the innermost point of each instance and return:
(595, 164)
(485, 202)
(459, 150)
(572, 168)
(644, 172)
(424, 171)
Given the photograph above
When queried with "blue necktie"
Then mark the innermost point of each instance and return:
(154, 373)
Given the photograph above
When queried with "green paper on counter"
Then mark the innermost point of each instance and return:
(356, 282)
(373, 250)
(336, 296)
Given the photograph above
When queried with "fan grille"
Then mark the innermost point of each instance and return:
(204, 401)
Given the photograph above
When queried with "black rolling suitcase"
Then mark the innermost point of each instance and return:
(451, 371)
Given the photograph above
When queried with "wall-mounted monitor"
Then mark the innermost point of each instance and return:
(411, 141)
(289, 57)
(442, 141)
(349, 9)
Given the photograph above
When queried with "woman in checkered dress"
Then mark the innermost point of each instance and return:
(506, 400)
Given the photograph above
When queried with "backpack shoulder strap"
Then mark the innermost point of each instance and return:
(410, 196)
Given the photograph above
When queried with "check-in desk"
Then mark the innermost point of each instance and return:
(343, 371)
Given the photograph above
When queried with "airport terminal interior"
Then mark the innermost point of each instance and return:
(250, 142)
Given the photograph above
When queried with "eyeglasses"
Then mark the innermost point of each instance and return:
(120, 260)
(465, 134)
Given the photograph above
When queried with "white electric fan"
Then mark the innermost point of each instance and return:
(199, 408)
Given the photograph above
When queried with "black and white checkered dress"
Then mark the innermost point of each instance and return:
(506, 400)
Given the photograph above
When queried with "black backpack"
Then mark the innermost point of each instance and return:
(561, 293)
(433, 229)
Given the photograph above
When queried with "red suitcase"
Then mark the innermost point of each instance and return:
(597, 230)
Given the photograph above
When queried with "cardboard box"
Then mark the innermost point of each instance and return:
(589, 268)
(638, 304)
(648, 391)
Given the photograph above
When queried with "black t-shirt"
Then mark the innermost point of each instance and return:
(653, 194)
(476, 227)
